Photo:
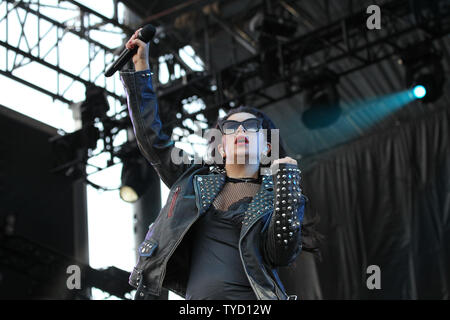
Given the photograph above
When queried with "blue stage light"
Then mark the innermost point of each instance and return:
(419, 91)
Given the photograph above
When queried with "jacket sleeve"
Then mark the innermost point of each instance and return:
(156, 146)
(282, 239)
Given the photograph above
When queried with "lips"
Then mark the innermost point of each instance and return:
(241, 139)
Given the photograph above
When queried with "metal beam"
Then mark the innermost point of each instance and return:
(60, 29)
(35, 87)
(179, 9)
(27, 8)
(114, 22)
(53, 67)
(236, 35)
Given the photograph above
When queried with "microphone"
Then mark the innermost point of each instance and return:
(146, 34)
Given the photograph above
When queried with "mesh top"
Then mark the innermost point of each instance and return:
(233, 192)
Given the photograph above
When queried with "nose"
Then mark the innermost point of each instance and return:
(240, 128)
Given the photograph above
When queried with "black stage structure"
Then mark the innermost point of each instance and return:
(381, 193)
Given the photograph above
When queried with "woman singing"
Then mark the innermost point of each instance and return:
(225, 228)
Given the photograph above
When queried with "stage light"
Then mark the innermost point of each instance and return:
(272, 25)
(134, 182)
(95, 106)
(128, 194)
(277, 26)
(419, 91)
(424, 72)
(321, 99)
(427, 84)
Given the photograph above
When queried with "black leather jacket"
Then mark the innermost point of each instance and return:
(270, 234)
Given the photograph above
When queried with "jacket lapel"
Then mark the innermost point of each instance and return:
(207, 187)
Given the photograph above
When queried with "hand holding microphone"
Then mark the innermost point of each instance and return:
(137, 49)
(140, 59)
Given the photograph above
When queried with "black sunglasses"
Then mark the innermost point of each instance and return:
(231, 126)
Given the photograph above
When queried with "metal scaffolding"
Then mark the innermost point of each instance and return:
(343, 46)
(270, 73)
(24, 52)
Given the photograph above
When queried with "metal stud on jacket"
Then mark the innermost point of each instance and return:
(286, 221)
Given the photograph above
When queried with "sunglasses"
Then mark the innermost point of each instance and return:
(231, 126)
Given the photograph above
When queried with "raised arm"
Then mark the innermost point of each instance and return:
(143, 108)
(282, 242)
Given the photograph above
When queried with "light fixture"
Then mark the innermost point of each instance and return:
(134, 180)
(321, 100)
(424, 73)
(95, 106)
(273, 25)
(419, 91)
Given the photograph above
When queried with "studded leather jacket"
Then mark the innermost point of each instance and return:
(270, 236)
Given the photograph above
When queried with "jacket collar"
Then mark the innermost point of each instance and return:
(208, 186)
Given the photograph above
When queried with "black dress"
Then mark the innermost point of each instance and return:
(216, 271)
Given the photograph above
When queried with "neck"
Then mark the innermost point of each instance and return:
(242, 170)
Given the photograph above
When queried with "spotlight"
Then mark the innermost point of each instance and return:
(95, 106)
(272, 25)
(128, 194)
(419, 91)
(70, 149)
(277, 26)
(321, 99)
(424, 72)
(428, 87)
(134, 180)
